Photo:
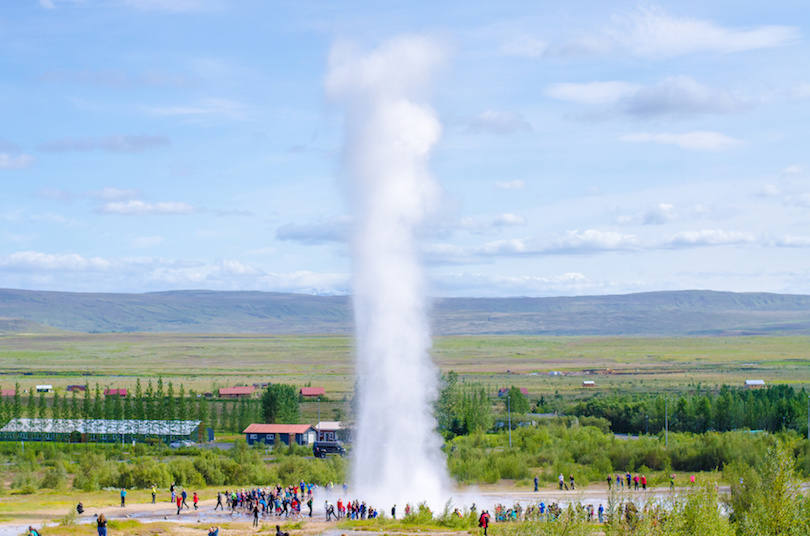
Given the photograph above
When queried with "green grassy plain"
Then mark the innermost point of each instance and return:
(205, 362)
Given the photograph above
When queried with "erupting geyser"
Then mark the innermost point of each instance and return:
(388, 137)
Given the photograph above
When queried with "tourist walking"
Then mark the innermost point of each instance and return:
(123, 497)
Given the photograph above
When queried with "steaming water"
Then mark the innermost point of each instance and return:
(388, 137)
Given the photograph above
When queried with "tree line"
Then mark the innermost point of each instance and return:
(776, 408)
(156, 402)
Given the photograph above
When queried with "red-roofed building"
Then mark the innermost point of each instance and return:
(303, 434)
(312, 392)
(6, 392)
(240, 391)
(77, 388)
(115, 392)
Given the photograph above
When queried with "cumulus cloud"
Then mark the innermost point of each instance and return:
(499, 123)
(144, 208)
(593, 92)
(707, 237)
(38, 261)
(316, 233)
(691, 141)
(510, 185)
(11, 161)
(78, 272)
(116, 144)
(575, 242)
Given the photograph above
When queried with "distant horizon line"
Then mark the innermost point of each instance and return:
(348, 295)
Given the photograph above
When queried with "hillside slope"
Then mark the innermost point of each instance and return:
(654, 313)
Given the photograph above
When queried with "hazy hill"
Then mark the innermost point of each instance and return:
(654, 313)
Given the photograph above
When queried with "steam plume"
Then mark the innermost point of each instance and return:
(389, 134)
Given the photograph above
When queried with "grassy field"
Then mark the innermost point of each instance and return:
(207, 362)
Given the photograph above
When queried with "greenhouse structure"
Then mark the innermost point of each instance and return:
(103, 430)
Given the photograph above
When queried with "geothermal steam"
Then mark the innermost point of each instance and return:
(389, 133)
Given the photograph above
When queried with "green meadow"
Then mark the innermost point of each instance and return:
(205, 362)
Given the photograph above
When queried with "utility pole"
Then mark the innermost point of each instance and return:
(646, 425)
(509, 413)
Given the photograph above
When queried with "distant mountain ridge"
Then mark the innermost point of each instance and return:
(692, 312)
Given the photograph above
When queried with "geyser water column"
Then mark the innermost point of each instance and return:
(389, 133)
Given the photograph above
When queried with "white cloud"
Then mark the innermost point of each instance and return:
(593, 92)
(144, 208)
(75, 271)
(508, 219)
(679, 95)
(236, 268)
(652, 33)
(115, 194)
(675, 96)
(707, 237)
(123, 143)
(499, 123)
(37, 261)
(692, 141)
(510, 185)
(486, 285)
(792, 241)
(792, 170)
(9, 161)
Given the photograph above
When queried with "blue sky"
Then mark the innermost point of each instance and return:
(588, 147)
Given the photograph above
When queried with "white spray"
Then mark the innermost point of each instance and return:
(389, 134)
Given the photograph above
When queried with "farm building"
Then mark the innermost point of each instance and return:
(115, 392)
(303, 434)
(754, 384)
(77, 388)
(588, 383)
(332, 431)
(7, 392)
(240, 391)
(312, 392)
(102, 430)
(505, 391)
(44, 388)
